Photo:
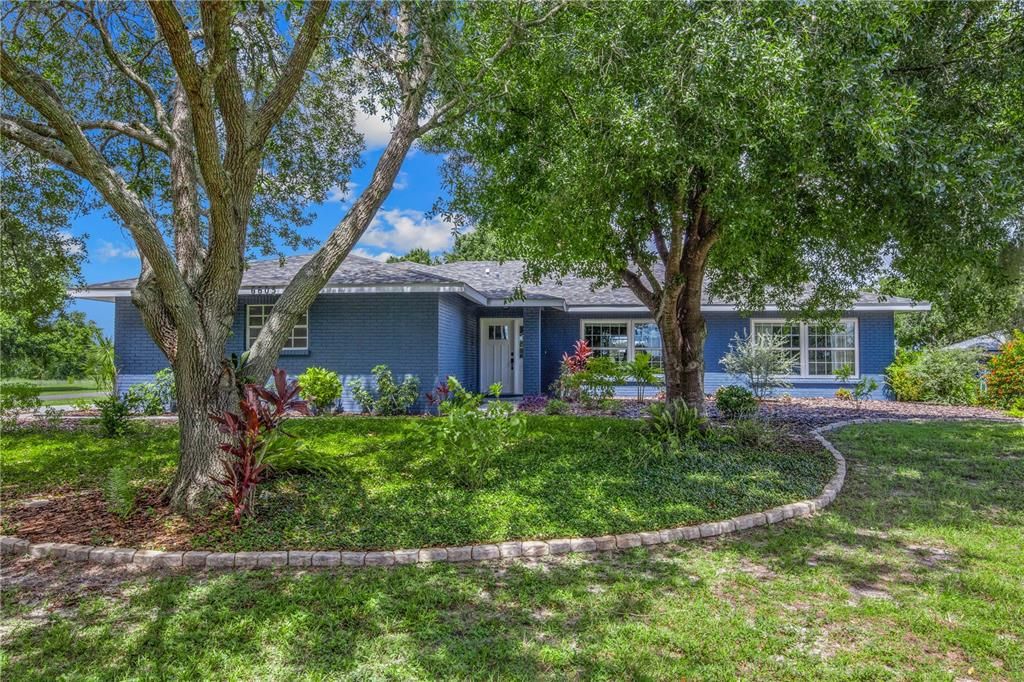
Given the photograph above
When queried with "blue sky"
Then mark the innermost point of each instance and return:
(400, 225)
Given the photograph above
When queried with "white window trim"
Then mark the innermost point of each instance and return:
(248, 328)
(805, 374)
(630, 336)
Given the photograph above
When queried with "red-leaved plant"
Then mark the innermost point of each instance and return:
(438, 395)
(577, 362)
(251, 431)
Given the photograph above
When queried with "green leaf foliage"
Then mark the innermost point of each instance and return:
(830, 143)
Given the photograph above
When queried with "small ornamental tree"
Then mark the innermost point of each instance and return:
(1005, 378)
(784, 153)
(762, 361)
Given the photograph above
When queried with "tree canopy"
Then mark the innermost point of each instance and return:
(791, 152)
(207, 128)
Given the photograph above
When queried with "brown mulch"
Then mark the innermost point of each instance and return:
(82, 517)
(810, 413)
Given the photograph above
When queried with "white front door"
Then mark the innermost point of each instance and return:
(499, 354)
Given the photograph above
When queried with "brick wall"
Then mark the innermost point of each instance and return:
(560, 331)
(348, 333)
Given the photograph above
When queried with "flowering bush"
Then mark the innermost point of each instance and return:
(1005, 377)
(251, 433)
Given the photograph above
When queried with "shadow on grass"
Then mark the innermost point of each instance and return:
(712, 609)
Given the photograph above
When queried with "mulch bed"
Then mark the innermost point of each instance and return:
(804, 414)
(82, 517)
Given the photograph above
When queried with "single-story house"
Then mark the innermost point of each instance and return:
(461, 319)
(988, 344)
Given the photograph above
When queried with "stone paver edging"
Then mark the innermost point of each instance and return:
(148, 558)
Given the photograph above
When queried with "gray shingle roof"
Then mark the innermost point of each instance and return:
(494, 280)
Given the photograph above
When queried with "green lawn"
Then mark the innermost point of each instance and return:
(916, 572)
(57, 385)
(389, 488)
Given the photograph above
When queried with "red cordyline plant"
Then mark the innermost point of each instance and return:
(261, 411)
(577, 362)
(438, 395)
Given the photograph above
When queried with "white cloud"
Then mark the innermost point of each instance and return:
(402, 181)
(402, 229)
(375, 130)
(341, 194)
(110, 251)
(382, 256)
(72, 245)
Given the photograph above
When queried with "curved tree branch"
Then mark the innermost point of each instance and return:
(284, 91)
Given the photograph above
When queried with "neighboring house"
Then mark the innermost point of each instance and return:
(988, 344)
(459, 319)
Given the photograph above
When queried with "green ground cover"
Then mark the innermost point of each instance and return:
(380, 483)
(916, 572)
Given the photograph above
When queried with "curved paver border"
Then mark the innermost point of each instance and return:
(148, 558)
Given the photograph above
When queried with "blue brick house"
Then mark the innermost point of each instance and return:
(472, 320)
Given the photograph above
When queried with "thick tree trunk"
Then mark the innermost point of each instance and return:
(683, 337)
(202, 388)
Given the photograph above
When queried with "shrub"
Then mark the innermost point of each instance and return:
(320, 387)
(735, 402)
(119, 492)
(577, 362)
(676, 419)
(948, 376)
(760, 360)
(14, 397)
(1005, 378)
(754, 433)
(863, 389)
(640, 372)
(144, 399)
(114, 415)
(152, 397)
(392, 399)
(844, 394)
(472, 439)
(595, 383)
(251, 433)
(533, 403)
(556, 406)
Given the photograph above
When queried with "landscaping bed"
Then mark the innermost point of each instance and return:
(914, 572)
(377, 483)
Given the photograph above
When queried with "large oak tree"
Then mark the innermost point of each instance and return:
(784, 153)
(207, 128)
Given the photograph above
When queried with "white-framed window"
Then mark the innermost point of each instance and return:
(256, 315)
(830, 348)
(622, 340)
(818, 350)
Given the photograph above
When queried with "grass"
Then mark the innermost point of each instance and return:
(58, 385)
(916, 572)
(389, 488)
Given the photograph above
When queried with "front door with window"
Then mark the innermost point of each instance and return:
(499, 354)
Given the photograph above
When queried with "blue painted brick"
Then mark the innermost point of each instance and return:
(433, 336)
